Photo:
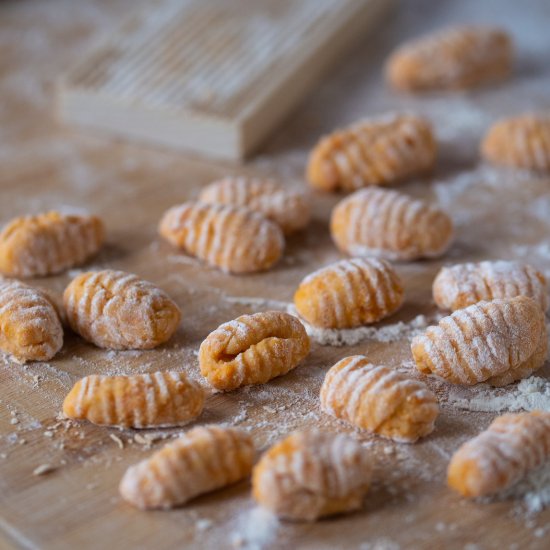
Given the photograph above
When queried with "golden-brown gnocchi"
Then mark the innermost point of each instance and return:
(312, 474)
(519, 142)
(390, 225)
(231, 238)
(513, 445)
(151, 400)
(376, 151)
(497, 342)
(203, 460)
(118, 310)
(30, 329)
(454, 58)
(253, 349)
(379, 399)
(48, 243)
(289, 209)
(349, 293)
(462, 285)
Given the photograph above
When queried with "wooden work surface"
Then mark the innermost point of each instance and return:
(44, 165)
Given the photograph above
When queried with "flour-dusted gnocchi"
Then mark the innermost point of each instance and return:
(379, 399)
(377, 151)
(519, 142)
(48, 243)
(513, 445)
(288, 208)
(30, 329)
(203, 460)
(151, 400)
(253, 349)
(390, 225)
(453, 58)
(118, 310)
(462, 285)
(312, 474)
(349, 293)
(232, 238)
(496, 342)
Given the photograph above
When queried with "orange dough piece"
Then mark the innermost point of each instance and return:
(387, 224)
(118, 310)
(497, 342)
(513, 445)
(454, 58)
(289, 209)
(253, 349)
(231, 238)
(30, 329)
(349, 293)
(379, 399)
(312, 474)
(203, 460)
(377, 151)
(46, 244)
(519, 142)
(151, 400)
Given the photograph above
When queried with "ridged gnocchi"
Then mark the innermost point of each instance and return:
(496, 342)
(158, 399)
(387, 224)
(454, 58)
(30, 329)
(349, 293)
(462, 285)
(312, 474)
(289, 209)
(45, 244)
(513, 445)
(379, 399)
(118, 310)
(203, 460)
(519, 142)
(231, 238)
(377, 151)
(253, 349)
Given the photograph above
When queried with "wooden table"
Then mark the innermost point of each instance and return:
(44, 165)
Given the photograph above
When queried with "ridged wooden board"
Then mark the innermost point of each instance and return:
(212, 77)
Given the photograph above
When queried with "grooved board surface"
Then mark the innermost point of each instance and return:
(236, 65)
(44, 165)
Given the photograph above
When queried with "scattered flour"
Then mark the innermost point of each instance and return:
(255, 529)
(257, 302)
(530, 394)
(350, 337)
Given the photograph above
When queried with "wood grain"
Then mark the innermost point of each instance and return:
(44, 165)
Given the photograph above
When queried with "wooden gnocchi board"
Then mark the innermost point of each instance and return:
(497, 214)
(212, 77)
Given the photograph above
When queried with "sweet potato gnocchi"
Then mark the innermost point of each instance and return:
(253, 349)
(349, 293)
(203, 460)
(312, 474)
(519, 142)
(32, 246)
(158, 399)
(496, 342)
(462, 285)
(376, 151)
(118, 310)
(454, 58)
(289, 209)
(231, 238)
(30, 329)
(390, 225)
(379, 399)
(513, 445)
